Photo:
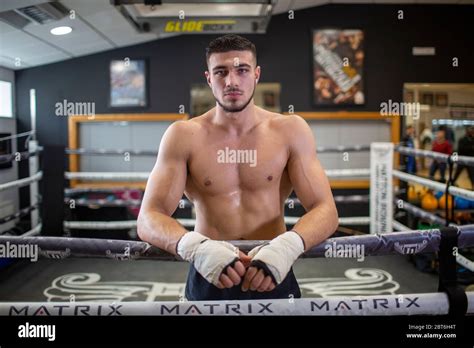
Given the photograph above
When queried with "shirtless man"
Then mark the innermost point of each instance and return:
(235, 200)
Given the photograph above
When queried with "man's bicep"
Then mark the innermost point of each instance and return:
(307, 175)
(167, 180)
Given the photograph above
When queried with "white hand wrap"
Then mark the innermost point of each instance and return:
(279, 255)
(208, 256)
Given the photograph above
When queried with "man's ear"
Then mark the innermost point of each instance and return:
(257, 73)
(208, 77)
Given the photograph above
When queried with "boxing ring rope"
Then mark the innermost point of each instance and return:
(352, 220)
(380, 305)
(454, 190)
(107, 175)
(21, 213)
(103, 202)
(121, 152)
(95, 152)
(19, 135)
(22, 182)
(19, 156)
(129, 224)
(78, 190)
(466, 160)
(331, 173)
(418, 212)
(34, 231)
(185, 203)
(405, 242)
(343, 148)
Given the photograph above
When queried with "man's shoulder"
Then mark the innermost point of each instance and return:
(286, 120)
(186, 126)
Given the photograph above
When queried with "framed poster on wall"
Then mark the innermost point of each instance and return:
(338, 67)
(128, 87)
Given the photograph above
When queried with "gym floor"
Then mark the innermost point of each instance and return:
(100, 279)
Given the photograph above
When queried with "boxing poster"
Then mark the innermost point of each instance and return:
(338, 63)
(128, 83)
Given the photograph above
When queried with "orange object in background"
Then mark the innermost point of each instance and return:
(429, 201)
(412, 194)
(442, 202)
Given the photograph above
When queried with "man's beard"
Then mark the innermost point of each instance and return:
(236, 109)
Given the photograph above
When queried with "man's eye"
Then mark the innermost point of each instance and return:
(243, 70)
(219, 73)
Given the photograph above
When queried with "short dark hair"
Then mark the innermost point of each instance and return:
(230, 42)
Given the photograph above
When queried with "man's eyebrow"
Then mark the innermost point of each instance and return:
(219, 67)
(242, 65)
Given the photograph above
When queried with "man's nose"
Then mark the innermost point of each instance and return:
(231, 79)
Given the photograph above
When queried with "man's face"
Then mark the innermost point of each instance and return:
(232, 77)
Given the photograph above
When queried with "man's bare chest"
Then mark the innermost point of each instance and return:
(217, 165)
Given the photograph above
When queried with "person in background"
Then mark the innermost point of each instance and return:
(449, 133)
(425, 141)
(466, 148)
(441, 145)
(409, 141)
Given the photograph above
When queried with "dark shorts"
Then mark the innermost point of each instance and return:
(199, 289)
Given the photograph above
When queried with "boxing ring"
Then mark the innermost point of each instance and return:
(450, 300)
(403, 243)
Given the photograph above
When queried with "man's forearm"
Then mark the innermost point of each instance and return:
(317, 225)
(160, 230)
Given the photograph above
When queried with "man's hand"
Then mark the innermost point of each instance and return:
(217, 261)
(255, 279)
(271, 262)
(233, 274)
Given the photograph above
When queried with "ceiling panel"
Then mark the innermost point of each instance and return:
(88, 7)
(13, 39)
(116, 28)
(50, 58)
(98, 26)
(6, 29)
(9, 63)
(81, 35)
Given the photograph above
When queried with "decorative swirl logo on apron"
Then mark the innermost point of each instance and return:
(89, 287)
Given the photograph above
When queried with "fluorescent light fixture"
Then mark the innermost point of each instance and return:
(61, 30)
(6, 105)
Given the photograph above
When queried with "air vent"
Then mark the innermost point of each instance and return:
(43, 13)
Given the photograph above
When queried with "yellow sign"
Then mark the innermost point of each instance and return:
(198, 26)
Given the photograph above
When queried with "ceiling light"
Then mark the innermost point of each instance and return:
(61, 30)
